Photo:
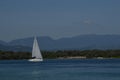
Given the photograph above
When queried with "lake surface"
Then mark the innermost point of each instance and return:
(61, 69)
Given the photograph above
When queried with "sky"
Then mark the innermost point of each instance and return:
(58, 18)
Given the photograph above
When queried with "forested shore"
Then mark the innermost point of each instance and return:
(60, 54)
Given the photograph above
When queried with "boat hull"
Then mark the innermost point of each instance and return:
(35, 60)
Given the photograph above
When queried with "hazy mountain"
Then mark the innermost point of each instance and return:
(45, 43)
(15, 48)
(3, 42)
(79, 42)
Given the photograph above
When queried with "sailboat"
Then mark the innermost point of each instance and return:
(36, 54)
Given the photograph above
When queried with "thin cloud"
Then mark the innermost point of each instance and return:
(88, 22)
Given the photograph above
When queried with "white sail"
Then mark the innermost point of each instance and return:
(36, 54)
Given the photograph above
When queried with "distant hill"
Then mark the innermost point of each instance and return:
(82, 42)
(15, 48)
(3, 42)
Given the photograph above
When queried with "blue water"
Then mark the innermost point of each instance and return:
(66, 69)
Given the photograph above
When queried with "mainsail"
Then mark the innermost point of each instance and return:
(36, 51)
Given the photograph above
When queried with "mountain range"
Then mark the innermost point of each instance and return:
(82, 42)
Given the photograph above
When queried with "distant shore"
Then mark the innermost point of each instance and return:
(74, 57)
(83, 57)
(63, 54)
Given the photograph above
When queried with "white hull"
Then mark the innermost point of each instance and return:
(35, 60)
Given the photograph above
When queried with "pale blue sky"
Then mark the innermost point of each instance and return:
(58, 18)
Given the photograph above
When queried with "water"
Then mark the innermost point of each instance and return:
(66, 69)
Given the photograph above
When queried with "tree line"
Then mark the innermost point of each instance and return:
(62, 54)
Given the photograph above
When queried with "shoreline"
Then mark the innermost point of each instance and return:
(84, 57)
(62, 58)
